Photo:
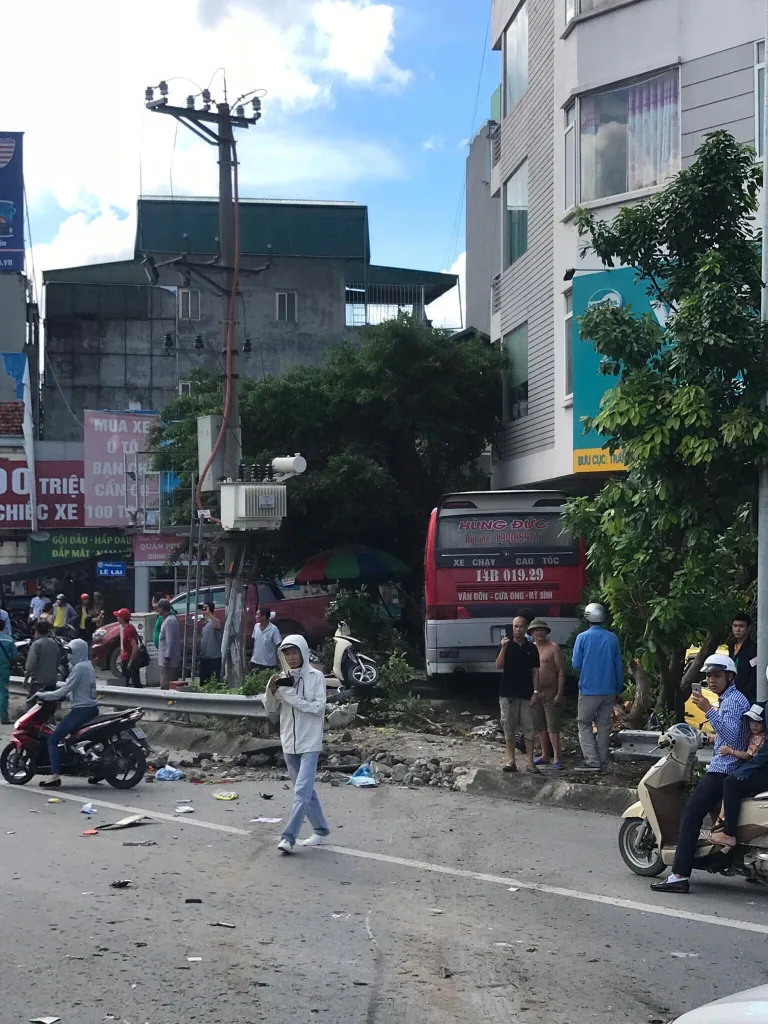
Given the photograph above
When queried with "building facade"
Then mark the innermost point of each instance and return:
(603, 102)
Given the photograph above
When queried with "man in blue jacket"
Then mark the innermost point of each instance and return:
(597, 658)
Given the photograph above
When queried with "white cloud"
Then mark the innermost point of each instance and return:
(107, 147)
(449, 309)
(434, 142)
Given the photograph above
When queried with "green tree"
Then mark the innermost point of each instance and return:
(673, 542)
(386, 426)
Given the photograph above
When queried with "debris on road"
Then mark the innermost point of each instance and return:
(513, 888)
(194, 959)
(121, 883)
(130, 822)
(91, 832)
(266, 796)
(88, 809)
(146, 842)
(268, 821)
(447, 972)
(221, 924)
(54, 800)
(184, 809)
(682, 956)
(225, 795)
(435, 910)
(362, 778)
(192, 899)
(44, 1020)
(169, 774)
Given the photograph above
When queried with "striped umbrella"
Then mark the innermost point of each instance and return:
(352, 562)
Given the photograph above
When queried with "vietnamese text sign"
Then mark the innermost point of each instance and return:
(596, 460)
(59, 494)
(109, 441)
(149, 550)
(71, 545)
(109, 569)
(11, 202)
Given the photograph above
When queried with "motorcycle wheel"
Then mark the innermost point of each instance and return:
(363, 673)
(635, 849)
(16, 766)
(134, 769)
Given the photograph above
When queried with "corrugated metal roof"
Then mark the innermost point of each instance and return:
(291, 228)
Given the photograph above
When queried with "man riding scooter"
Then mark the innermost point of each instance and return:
(730, 727)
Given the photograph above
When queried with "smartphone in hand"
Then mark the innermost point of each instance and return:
(696, 687)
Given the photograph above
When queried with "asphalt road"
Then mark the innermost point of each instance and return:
(407, 919)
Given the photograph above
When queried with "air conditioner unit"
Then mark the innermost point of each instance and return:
(246, 506)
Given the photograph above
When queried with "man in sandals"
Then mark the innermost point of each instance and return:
(518, 660)
(551, 690)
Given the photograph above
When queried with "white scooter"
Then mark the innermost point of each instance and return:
(648, 835)
(350, 667)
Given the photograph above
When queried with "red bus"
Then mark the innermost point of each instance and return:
(489, 555)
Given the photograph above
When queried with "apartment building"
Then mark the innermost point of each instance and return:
(602, 103)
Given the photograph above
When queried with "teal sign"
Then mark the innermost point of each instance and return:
(620, 288)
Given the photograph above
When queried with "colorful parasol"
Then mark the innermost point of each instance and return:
(352, 562)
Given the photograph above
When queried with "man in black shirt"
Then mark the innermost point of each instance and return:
(518, 659)
(743, 649)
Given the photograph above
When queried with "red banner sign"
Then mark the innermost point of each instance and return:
(59, 494)
(151, 550)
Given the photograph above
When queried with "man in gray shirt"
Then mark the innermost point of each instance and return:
(42, 671)
(169, 645)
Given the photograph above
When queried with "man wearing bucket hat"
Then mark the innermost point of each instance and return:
(549, 695)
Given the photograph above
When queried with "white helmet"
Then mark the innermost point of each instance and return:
(718, 663)
(595, 613)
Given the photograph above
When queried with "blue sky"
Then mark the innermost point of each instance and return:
(366, 101)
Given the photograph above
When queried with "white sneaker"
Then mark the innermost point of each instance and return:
(315, 840)
(285, 846)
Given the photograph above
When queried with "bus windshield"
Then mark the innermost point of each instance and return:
(495, 530)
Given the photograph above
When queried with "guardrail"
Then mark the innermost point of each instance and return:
(642, 745)
(153, 699)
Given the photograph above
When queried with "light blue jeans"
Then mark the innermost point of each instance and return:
(302, 769)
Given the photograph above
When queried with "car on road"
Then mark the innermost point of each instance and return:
(742, 1007)
(305, 615)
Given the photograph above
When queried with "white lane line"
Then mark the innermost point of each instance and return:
(185, 819)
(553, 890)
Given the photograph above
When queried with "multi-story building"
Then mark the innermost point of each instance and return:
(602, 103)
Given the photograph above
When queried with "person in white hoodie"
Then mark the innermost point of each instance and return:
(302, 717)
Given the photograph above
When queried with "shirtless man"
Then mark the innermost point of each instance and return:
(549, 696)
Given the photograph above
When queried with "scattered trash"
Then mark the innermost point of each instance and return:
(513, 888)
(337, 916)
(362, 778)
(54, 800)
(503, 945)
(130, 822)
(683, 956)
(221, 924)
(464, 713)
(71, 956)
(169, 774)
(194, 959)
(44, 1020)
(266, 796)
(184, 809)
(33, 811)
(91, 832)
(435, 910)
(10, 833)
(86, 894)
(192, 899)
(139, 945)
(267, 821)
(121, 883)
(88, 809)
(360, 984)
(183, 801)
(147, 842)
(446, 972)
(225, 795)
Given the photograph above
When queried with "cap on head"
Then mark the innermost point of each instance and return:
(538, 624)
(61, 597)
(718, 663)
(595, 613)
(123, 613)
(755, 713)
(84, 597)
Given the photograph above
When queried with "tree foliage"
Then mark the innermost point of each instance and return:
(673, 542)
(386, 426)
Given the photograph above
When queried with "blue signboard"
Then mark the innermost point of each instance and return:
(11, 202)
(110, 568)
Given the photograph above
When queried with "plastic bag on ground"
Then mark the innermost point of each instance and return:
(362, 778)
(169, 774)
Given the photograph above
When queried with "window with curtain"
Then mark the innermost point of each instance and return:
(516, 390)
(516, 215)
(568, 343)
(629, 136)
(516, 57)
(759, 96)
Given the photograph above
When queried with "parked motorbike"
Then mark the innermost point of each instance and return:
(351, 667)
(648, 834)
(110, 747)
(22, 652)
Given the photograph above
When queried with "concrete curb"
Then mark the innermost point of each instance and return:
(548, 792)
(184, 738)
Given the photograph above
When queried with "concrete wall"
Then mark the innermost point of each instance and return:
(105, 343)
(717, 91)
(483, 238)
(13, 312)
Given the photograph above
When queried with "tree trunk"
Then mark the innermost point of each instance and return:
(670, 672)
(638, 714)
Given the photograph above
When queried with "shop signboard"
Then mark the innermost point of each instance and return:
(71, 545)
(59, 494)
(11, 202)
(156, 550)
(112, 442)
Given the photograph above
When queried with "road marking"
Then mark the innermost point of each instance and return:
(185, 819)
(553, 890)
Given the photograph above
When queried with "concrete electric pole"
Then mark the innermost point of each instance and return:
(217, 128)
(762, 504)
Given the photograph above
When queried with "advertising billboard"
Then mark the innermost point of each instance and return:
(111, 443)
(11, 202)
(59, 494)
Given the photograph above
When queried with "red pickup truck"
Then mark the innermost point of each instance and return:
(305, 615)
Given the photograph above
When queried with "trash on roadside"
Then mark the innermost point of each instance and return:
(226, 795)
(71, 956)
(194, 959)
(91, 832)
(44, 1020)
(121, 883)
(54, 800)
(33, 811)
(147, 842)
(10, 833)
(447, 972)
(513, 888)
(266, 796)
(192, 899)
(130, 822)
(169, 774)
(682, 956)
(267, 821)
(362, 778)
(435, 910)
(184, 809)
(222, 924)
(88, 809)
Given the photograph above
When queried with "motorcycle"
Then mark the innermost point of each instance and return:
(109, 747)
(350, 667)
(648, 835)
(22, 653)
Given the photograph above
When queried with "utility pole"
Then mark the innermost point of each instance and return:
(217, 128)
(762, 504)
